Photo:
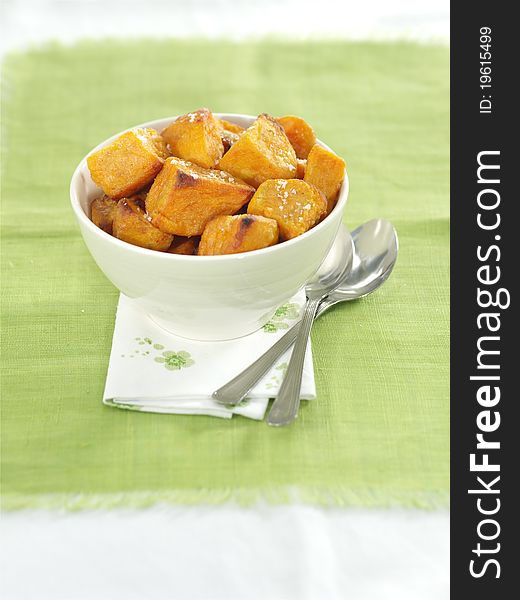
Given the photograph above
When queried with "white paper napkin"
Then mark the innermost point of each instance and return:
(152, 370)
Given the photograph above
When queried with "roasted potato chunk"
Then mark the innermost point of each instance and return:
(262, 152)
(184, 245)
(102, 212)
(233, 127)
(326, 171)
(129, 163)
(132, 225)
(238, 233)
(300, 168)
(228, 138)
(185, 197)
(300, 134)
(196, 137)
(294, 204)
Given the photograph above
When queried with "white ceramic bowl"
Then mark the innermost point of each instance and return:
(205, 297)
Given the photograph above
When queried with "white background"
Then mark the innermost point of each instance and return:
(225, 552)
(29, 21)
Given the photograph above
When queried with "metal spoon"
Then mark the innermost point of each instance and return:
(376, 248)
(338, 262)
(331, 273)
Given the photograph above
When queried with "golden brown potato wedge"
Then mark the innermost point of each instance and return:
(131, 224)
(102, 212)
(262, 152)
(300, 134)
(294, 204)
(196, 137)
(184, 245)
(326, 171)
(233, 127)
(300, 168)
(129, 163)
(237, 233)
(185, 197)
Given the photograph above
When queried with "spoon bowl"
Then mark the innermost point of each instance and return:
(376, 247)
(335, 267)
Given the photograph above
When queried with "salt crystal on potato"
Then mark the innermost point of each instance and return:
(294, 204)
(128, 163)
(195, 136)
(185, 197)
(262, 152)
(237, 233)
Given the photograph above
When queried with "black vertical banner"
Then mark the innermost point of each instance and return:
(484, 247)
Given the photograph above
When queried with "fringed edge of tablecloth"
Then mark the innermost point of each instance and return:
(321, 496)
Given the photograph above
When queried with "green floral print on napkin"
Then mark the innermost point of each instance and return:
(175, 360)
(277, 378)
(284, 313)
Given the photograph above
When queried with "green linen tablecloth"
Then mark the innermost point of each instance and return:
(378, 433)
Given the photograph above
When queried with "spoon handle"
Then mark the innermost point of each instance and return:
(286, 405)
(233, 392)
